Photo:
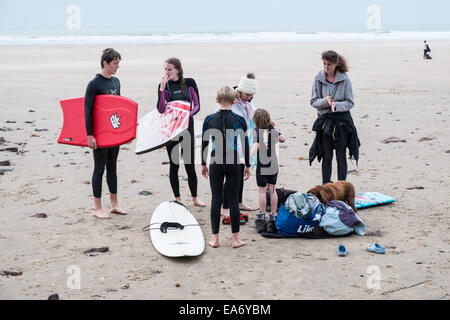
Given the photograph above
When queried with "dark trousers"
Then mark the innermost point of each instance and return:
(341, 157)
(231, 174)
(105, 157)
(173, 151)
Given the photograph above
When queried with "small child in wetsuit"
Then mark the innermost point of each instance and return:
(265, 138)
(225, 128)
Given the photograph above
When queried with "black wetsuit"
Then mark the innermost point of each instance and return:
(173, 92)
(225, 127)
(103, 157)
(267, 160)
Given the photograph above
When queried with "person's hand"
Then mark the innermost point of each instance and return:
(92, 143)
(205, 172)
(329, 100)
(246, 173)
(163, 82)
(333, 106)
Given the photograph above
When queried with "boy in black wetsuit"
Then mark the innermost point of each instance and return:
(103, 83)
(225, 127)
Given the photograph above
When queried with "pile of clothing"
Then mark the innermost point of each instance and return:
(303, 215)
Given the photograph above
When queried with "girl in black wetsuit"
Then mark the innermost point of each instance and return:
(173, 87)
(103, 83)
(225, 127)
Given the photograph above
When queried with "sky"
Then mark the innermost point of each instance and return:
(224, 16)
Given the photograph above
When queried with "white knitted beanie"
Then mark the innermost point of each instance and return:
(247, 85)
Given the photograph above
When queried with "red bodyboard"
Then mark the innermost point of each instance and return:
(114, 121)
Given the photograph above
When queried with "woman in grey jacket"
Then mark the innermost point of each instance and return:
(332, 97)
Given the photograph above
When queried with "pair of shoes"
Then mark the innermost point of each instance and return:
(342, 250)
(260, 222)
(242, 219)
(375, 248)
(226, 220)
(271, 224)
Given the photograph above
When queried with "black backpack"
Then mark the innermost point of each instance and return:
(282, 194)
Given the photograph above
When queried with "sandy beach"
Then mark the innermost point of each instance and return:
(397, 94)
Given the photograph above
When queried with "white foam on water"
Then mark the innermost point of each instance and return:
(256, 37)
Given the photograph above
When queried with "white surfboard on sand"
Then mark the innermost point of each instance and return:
(156, 129)
(175, 232)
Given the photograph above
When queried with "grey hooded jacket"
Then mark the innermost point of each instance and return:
(341, 93)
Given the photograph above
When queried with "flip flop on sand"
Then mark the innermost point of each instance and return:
(342, 250)
(375, 248)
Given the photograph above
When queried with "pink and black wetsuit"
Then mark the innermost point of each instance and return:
(188, 93)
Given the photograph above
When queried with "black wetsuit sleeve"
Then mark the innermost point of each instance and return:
(205, 142)
(89, 99)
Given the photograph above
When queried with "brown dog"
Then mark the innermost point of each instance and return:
(339, 190)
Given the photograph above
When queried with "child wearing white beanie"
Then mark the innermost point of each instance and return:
(248, 84)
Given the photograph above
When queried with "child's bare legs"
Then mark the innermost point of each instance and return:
(99, 213)
(262, 199)
(273, 199)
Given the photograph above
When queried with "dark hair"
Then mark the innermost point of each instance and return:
(177, 64)
(109, 54)
(335, 58)
(251, 75)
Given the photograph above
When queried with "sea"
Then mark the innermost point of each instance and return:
(80, 37)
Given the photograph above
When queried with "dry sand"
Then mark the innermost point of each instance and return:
(397, 93)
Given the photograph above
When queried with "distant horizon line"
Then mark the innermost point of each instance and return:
(228, 37)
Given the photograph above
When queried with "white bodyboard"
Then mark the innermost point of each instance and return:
(156, 129)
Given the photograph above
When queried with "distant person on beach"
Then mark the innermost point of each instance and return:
(265, 138)
(245, 108)
(225, 128)
(426, 50)
(174, 86)
(332, 97)
(103, 83)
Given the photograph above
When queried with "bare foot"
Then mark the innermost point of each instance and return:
(99, 213)
(244, 207)
(237, 243)
(118, 211)
(214, 243)
(198, 203)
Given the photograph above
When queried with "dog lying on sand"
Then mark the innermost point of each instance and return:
(339, 190)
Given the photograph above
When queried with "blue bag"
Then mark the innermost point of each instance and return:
(289, 225)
